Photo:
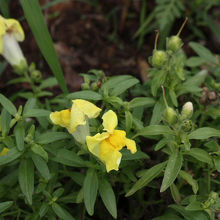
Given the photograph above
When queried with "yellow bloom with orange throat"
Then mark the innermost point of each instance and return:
(75, 120)
(106, 146)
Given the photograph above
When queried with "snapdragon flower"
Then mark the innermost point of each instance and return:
(75, 120)
(11, 33)
(106, 146)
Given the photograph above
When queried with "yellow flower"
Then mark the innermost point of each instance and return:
(10, 33)
(107, 145)
(75, 120)
(4, 151)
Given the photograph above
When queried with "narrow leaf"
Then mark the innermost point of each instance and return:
(26, 178)
(51, 136)
(61, 212)
(88, 95)
(36, 113)
(172, 169)
(90, 187)
(69, 158)
(41, 166)
(8, 105)
(108, 197)
(200, 155)
(5, 205)
(154, 130)
(204, 133)
(19, 136)
(141, 101)
(147, 177)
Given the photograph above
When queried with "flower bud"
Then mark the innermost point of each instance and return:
(187, 125)
(94, 86)
(174, 43)
(159, 58)
(170, 116)
(36, 75)
(187, 110)
(85, 86)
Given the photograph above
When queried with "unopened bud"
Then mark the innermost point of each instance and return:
(187, 125)
(174, 43)
(187, 110)
(85, 86)
(170, 116)
(94, 86)
(159, 58)
(36, 75)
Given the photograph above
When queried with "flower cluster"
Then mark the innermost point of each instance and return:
(105, 146)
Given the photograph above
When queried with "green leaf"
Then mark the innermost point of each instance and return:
(189, 179)
(30, 104)
(124, 86)
(4, 7)
(5, 205)
(200, 155)
(172, 169)
(8, 105)
(51, 136)
(194, 206)
(12, 155)
(115, 81)
(61, 212)
(202, 52)
(204, 133)
(37, 149)
(35, 18)
(69, 158)
(19, 135)
(90, 187)
(154, 130)
(41, 166)
(217, 163)
(141, 101)
(128, 121)
(49, 82)
(43, 209)
(147, 177)
(127, 155)
(175, 193)
(158, 110)
(195, 61)
(5, 121)
(26, 178)
(88, 95)
(108, 197)
(36, 113)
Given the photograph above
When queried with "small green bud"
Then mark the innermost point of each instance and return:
(85, 86)
(174, 43)
(187, 110)
(94, 86)
(36, 75)
(214, 196)
(187, 125)
(159, 58)
(170, 116)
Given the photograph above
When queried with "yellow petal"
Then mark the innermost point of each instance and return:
(110, 121)
(93, 143)
(109, 156)
(80, 110)
(4, 151)
(88, 108)
(117, 139)
(14, 27)
(2, 32)
(61, 118)
(131, 145)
